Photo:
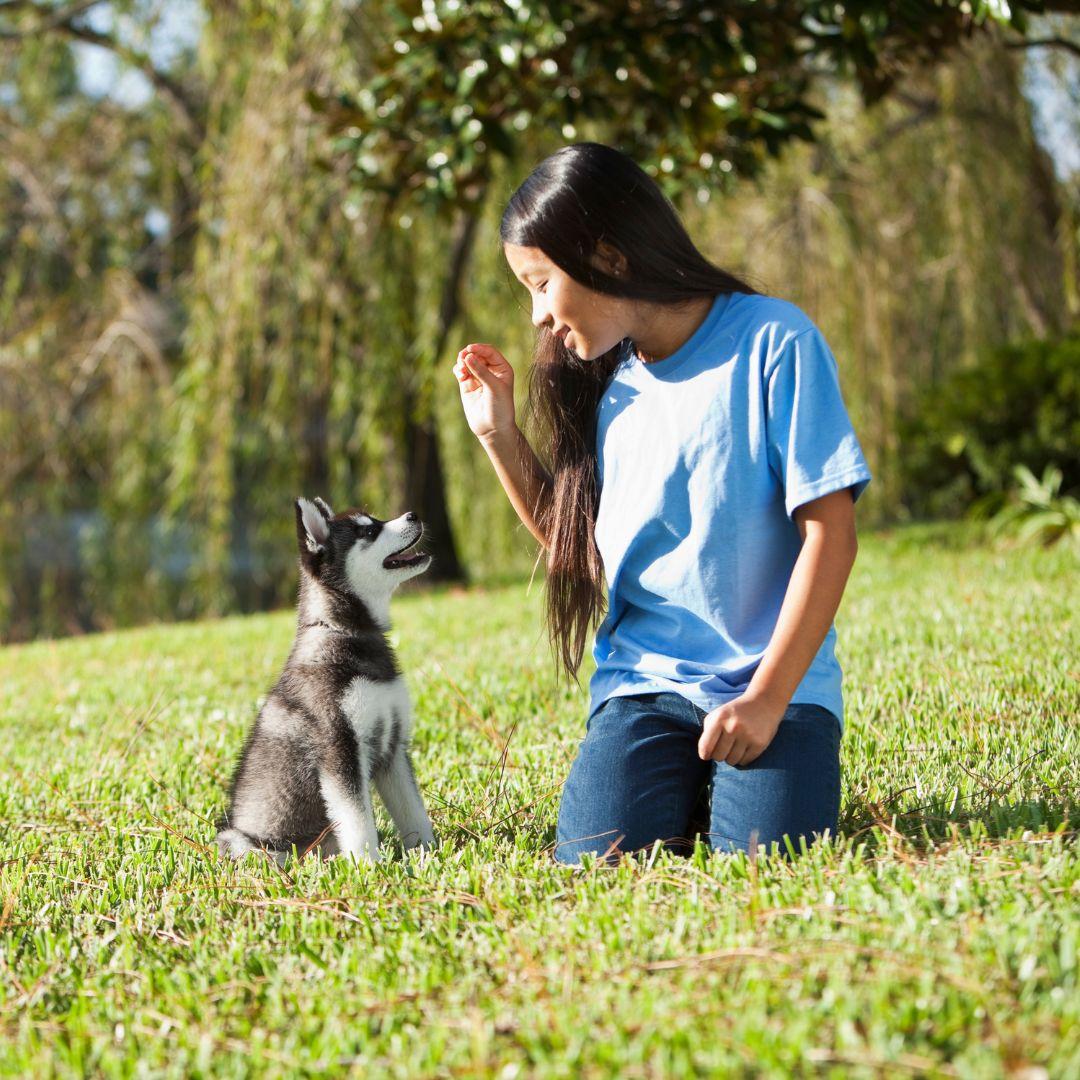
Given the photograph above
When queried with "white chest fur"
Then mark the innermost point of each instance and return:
(375, 710)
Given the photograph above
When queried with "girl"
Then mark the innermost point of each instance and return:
(702, 467)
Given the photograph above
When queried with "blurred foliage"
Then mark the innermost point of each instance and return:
(1037, 512)
(89, 336)
(250, 283)
(277, 394)
(1020, 404)
(705, 91)
(917, 234)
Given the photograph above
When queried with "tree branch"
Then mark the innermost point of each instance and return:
(55, 18)
(62, 22)
(1052, 42)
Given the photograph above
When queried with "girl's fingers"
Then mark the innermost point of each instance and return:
(707, 741)
(467, 372)
(714, 739)
(490, 369)
(467, 381)
(487, 354)
(479, 370)
(476, 363)
(724, 745)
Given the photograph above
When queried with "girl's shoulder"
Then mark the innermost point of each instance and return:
(767, 326)
(772, 313)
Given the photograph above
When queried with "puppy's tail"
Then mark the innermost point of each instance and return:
(236, 844)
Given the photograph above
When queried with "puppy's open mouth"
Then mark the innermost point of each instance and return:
(400, 558)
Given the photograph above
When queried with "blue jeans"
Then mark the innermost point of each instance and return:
(637, 778)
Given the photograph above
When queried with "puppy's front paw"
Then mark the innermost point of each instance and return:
(424, 854)
(360, 856)
(419, 838)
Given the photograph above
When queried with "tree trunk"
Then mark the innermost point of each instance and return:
(425, 485)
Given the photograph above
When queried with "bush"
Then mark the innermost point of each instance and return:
(963, 436)
(1036, 512)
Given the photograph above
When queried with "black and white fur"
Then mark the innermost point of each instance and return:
(338, 719)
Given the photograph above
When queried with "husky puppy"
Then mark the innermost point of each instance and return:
(338, 719)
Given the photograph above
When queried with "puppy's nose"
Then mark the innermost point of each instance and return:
(410, 516)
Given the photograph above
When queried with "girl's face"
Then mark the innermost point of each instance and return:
(589, 322)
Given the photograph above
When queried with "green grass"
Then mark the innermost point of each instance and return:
(936, 935)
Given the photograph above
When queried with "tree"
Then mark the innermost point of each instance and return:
(312, 305)
(701, 93)
(88, 335)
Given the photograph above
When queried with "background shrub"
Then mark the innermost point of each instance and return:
(962, 436)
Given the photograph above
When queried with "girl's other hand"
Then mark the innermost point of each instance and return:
(740, 731)
(486, 383)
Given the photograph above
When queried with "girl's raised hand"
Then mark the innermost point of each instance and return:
(486, 383)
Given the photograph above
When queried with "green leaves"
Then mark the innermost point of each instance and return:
(1037, 511)
(1019, 403)
(674, 80)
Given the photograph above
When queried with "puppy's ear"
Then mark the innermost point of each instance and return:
(325, 508)
(312, 528)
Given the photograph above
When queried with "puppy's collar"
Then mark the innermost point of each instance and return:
(325, 625)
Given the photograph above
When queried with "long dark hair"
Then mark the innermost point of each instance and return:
(577, 197)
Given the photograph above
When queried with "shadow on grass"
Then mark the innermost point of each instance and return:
(945, 820)
(878, 827)
(910, 834)
(942, 822)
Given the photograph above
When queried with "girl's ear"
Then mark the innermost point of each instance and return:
(609, 259)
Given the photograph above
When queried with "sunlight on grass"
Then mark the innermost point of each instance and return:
(937, 933)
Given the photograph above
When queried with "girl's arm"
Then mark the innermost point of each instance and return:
(742, 730)
(486, 381)
(827, 526)
(526, 482)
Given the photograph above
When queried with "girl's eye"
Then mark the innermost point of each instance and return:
(541, 287)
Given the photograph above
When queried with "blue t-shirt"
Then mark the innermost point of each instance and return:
(703, 456)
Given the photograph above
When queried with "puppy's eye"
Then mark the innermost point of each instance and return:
(368, 532)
